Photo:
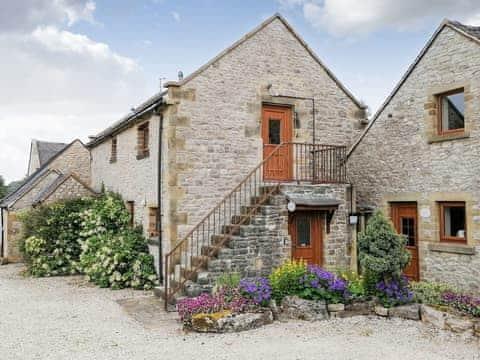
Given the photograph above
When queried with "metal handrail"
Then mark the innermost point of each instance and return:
(313, 163)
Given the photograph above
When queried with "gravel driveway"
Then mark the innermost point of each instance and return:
(67, 318)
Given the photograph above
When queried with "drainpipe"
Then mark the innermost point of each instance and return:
(2, 239)
(159, 201)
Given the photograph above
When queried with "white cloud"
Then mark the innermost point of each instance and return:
(58, 85)
(67, 43)
(26, 15)
(176, 16)
(353, 17)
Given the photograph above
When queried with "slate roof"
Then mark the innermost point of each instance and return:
(127, 120)
(25, 187)
(49, 188)
(47, 150)
(469, 29)
(31, 180)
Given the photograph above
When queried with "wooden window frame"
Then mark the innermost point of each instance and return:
(114, 150)
(451, 239)
(130, 205)
(143, 140)
(152, 222)
(439, 98)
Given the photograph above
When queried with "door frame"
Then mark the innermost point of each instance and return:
(288, 135)
(316, 233)
(394, 217)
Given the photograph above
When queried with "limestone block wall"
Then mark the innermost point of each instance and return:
(75, 159)
(134, 179)
(214, 122)
(69, 189)
(401, 158)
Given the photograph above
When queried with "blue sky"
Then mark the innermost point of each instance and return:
(72, 67)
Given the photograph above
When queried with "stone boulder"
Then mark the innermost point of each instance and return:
(381, 310)
(410, 312)
(460, 324)
(226, 322)
(292, 307)
(358, 308)
(433, 317)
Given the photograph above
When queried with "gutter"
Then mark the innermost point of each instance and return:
(2, 238)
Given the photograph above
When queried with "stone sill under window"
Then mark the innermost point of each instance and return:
(144, 155)
(448, 137)
(452, 248)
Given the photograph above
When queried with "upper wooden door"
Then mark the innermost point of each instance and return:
(404, 217)
(277, 129)
(305, 229)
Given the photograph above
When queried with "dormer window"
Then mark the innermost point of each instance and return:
(451, 112)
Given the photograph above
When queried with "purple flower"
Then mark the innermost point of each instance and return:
(256, 289)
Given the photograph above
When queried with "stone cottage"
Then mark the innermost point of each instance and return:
(55, 171)
(418, 160)
(209, 165)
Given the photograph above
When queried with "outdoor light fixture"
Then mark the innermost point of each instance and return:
(353, 219)
(291, 206)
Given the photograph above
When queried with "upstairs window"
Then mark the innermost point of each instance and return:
(453, 222)
(152, 222)
(143, 141)
(113, 152)
(451, 112)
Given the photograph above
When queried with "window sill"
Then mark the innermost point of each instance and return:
(143, 156)
(452, 248)
(448, 136)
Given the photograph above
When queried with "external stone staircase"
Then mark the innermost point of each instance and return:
(252, 249)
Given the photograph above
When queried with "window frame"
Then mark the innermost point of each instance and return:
(152, 222)
(451, 239)
(143, 140)
(439, 97)
(130, 205)
(114, 150)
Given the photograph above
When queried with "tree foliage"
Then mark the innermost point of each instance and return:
(382, 252)
(3, 187)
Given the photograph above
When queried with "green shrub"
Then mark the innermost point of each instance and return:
(229, 280)
(51, 232)
(118, 261)
(90, 236)
(382, 252)
(284, 281)
(430, 293)
(356, 284)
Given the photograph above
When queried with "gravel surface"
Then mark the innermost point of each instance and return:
(67, 318)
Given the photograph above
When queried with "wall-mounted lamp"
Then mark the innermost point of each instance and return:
(353, 219)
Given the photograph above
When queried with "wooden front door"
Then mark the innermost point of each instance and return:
(305, 229)
(277, 129)
(404, 217)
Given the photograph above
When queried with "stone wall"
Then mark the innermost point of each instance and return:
(402, 159)
(75, 159)
(214, 121)
(135, 179)
(69, 189)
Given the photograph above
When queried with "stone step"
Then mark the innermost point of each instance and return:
(241, 219)
(220, 239)
(220, 265)
(210, 250)
(199, 260)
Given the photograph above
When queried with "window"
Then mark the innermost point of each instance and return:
(152, 222)
(452, 222)
(131, 210)
(274, 131)
(303, 231)
(113, 153)
(142, 141)
(451, 112)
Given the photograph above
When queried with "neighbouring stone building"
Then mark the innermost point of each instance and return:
(419, 159)
(55, 171)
